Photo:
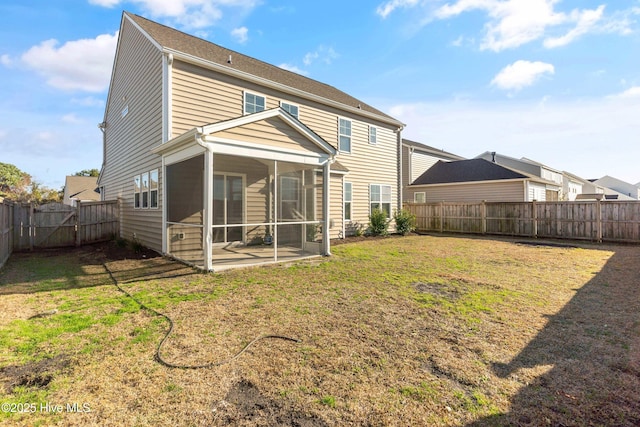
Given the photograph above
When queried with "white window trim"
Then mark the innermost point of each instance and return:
(415, 197)
(157, 190)
(345, 201)
(375, 129)
(350, 135)
(137, 191)
(244, 101)
(381, 201)
(297, 116)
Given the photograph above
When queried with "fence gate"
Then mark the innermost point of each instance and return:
(57, 225)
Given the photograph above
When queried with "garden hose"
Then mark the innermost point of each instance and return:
(158, 355)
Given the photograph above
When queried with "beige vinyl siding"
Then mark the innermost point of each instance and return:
(202, 97)
(511, 191)
(137, 86)
(336, 209)
(370, 164)
(272, 132)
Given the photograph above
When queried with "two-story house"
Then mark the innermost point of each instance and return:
(548, 192)
(416, 159)
(220, 159)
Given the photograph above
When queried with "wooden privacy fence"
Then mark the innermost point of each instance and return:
(615, 221)
(57, 225)
(6, 230)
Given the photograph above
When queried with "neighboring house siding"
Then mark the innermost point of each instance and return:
(202, 96)
(420, 162)
(512, 191)
(136, 88)
(537, 192)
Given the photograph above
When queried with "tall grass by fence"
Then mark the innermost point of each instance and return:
(614, 221)
(6, 230)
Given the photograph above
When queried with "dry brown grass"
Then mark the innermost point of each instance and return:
(420, 330)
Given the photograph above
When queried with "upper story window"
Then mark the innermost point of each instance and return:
(254, 103)
(344, 135)
(373, 135)
(290, 108)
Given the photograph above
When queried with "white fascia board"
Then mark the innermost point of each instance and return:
(279, 86)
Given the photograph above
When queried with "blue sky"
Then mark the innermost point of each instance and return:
(556, 81)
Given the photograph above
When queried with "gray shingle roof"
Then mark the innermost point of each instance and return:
(466, 171)
(181, 42)
(432, 150)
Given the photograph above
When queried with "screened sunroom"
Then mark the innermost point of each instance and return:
(230, 201)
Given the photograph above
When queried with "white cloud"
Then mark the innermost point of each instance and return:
(293, 69)
(190, 14)
(76, 65)
(6, 60)
(322, 53)
(571, 136)
(71, 118)
(633, 92)
(521, 74)
(386, 8)
(513, 23)
(586, 21)
(240, 34)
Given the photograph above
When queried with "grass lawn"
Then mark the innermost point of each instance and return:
(420, 330)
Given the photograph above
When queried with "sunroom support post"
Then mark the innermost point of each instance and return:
(207, 232)
(326, 211)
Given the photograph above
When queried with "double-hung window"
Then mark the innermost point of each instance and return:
(380, 198)
(373, 135)
(344, 135)
(290, 108)
(253, 103)
(348, 199)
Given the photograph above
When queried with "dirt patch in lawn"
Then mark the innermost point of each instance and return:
(33, 375)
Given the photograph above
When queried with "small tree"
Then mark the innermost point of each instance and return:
(405, 221)
(378, 223)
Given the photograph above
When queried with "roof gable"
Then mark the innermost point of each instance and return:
(466, 171)
(246, 67)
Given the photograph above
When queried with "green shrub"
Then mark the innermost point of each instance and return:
(405, 221)
(378, 223)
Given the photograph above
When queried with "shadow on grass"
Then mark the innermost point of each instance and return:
(593, 346)
(83, 267)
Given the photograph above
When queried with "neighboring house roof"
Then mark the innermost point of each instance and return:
(617, 186)
(236, 63)
(431, 150)
(467, 171)
(81, 188)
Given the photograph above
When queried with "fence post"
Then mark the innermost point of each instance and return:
(534, 216)
(32, 226)
(599, 221)
(483, 215)
(77, 223)
(442, 216)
